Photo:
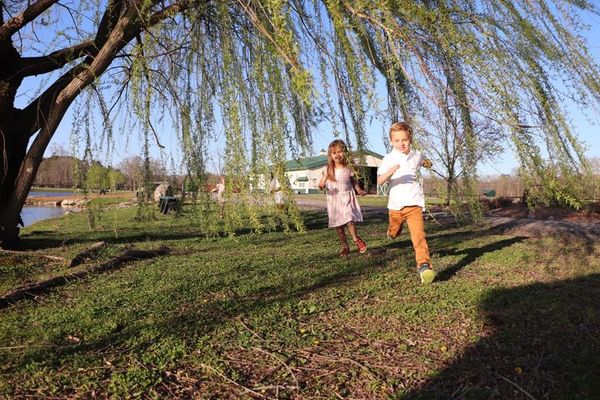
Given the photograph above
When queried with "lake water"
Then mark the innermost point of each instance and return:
(32, 214)
(48, 194)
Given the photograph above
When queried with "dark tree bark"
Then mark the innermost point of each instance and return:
(19, 161)
(13, 141)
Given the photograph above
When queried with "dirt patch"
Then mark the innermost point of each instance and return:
(591, 214)
(548, 221)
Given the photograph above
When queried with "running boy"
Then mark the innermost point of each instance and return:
(406, 201)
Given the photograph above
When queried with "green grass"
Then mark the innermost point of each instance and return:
(281, 315)
(369, 200)
(109, 201)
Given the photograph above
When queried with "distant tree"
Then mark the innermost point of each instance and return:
(133, 170)
(116, 179)
(97, 177)
(58, 150)
(595, 165)
(58, 171)
(445, 140)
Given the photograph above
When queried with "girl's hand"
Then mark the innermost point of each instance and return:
(360, 191)
(322, 182)
(427, 163)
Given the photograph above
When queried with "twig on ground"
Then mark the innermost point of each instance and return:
(287, 367)
(277, 387)
(250, 330)
(39, 287)
(517, 386)
(91, 252)
(54, 258)
(339, 360)
(232, 381)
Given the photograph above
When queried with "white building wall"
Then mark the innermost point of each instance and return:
(314, 175)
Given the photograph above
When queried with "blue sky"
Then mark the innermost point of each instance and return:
(586, 122)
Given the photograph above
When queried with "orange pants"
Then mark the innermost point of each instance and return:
(413, 216)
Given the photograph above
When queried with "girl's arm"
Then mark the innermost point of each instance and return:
(357, 187)
(323, 181)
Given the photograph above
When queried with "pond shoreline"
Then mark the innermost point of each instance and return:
(74, 199)
(57, 201)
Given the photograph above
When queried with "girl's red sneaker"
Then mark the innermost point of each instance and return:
(362, 246)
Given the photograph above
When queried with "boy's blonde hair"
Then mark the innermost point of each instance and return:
(401, 126)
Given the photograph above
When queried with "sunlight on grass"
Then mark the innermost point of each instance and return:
(282, 315)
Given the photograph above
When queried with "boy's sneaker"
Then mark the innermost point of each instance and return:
(362, 246)
(389, 237)
(426, 273)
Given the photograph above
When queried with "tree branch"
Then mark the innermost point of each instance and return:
(42, 105)
(31, 66)
(41, 65)
(112, 13)
(29, 14)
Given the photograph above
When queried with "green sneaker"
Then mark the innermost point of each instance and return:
(426, 273)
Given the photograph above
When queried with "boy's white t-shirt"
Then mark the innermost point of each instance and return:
(405, 184)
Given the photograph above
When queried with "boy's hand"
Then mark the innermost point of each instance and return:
(427, 163)
(394, 169)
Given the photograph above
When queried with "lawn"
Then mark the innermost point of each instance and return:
(280, 315)
(369, 200)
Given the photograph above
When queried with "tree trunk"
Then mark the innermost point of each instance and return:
(19, 164)
(12, 156)
(449, 188)
(13, 143)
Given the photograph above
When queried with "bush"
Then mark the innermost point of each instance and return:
(487, 204)
(502, 202)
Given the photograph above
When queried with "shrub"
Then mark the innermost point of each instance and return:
(487, 204)
(502, 202)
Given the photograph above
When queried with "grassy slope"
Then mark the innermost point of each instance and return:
(280, 315)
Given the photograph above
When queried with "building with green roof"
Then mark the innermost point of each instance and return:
(304, 173)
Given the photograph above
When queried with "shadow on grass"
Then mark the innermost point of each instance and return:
(33, 241)
(314, 220)
(542, 344)
(542, 329)
(471, 255)
(194, 309)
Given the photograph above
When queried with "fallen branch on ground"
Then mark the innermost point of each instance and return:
(92, 252)
(39, 287)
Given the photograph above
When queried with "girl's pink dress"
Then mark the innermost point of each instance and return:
(342, 206)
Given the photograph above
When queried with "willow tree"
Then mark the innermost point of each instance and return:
(506, 64)
(268, 69)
